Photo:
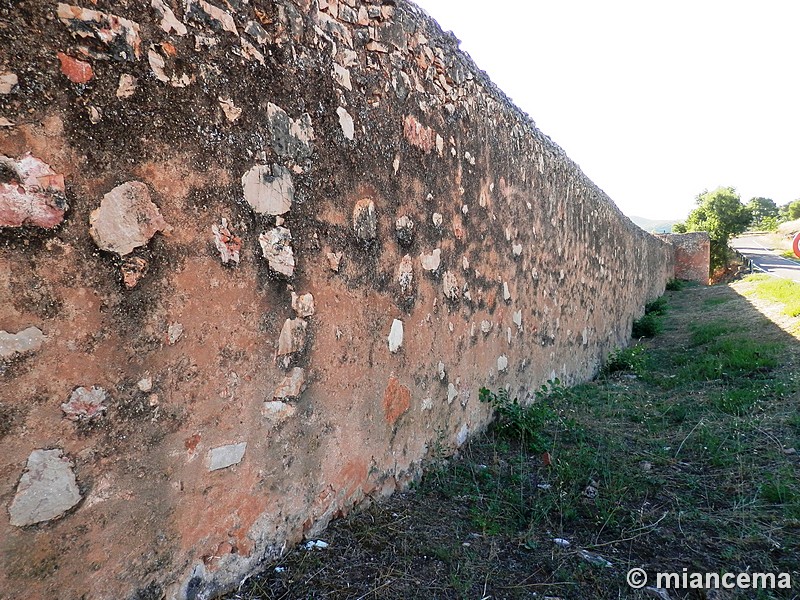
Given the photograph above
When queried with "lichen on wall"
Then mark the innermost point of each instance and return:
(256, 261)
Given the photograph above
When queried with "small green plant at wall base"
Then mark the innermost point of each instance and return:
(625, 359)
(656, 307)
(675, 285)
(517, 422)
(648, 326)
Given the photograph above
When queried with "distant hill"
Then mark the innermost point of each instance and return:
(653, 225)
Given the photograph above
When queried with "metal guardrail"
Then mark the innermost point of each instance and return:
(746, 262)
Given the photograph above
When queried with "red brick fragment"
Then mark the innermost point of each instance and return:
(396, 400)
(77, 71)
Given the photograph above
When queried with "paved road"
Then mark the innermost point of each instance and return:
(756, 248)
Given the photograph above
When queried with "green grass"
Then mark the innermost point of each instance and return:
(778, 290)
(726, 358)
(712, 302)
(703, 333)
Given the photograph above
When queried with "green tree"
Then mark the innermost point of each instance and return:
(764, 211)
(722, 214)
(790, 211)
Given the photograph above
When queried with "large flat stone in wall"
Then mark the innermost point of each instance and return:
(46, 490)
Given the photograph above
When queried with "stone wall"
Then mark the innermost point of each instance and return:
(692, 255)
(256, 261)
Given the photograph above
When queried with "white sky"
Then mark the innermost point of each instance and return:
(656, 101)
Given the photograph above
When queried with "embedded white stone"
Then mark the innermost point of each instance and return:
(168, 20)
(450, 285)
(334, 260)
(276, 244)
(502, 363)
(292, 385)
(517, 319)
(404, 229)
(27, 340)
(462, 435)
(452, 393)
(268, 189)
(232, 112)
(126, 219)
(365, 220)
(127, 86)
(293, 337)
(342, 76)
(223, 457)
(145, 384)
(303, 305)
(396, 336)
(46, 490)
(174, 333)
(346, 122)
(8, 81)
(405, 274)
(277, 411)
(431, 262)
(85, 404)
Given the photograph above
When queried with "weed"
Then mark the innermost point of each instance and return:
(778, 488)
(648, 326)
(517, 422)
(675, 285)
(789, 254)
(631, 359)
(736, 401)
(656, 307)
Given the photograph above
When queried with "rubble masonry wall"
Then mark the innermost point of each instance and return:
(256, 261)
(692, 255)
